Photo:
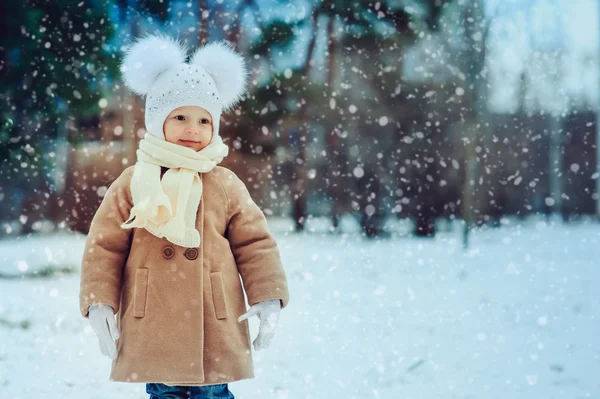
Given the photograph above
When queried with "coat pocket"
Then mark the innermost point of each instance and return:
(141, 292)
(218, 294)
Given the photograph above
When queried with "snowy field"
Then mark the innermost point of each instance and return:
(515, 316)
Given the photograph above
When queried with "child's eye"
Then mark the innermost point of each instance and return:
(204, 120)
(180, 116)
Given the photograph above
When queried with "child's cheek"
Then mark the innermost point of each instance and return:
(168, 131)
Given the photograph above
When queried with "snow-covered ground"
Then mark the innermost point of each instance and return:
(515, 316)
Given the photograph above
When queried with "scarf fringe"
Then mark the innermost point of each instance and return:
(160, 210)
(187, 237)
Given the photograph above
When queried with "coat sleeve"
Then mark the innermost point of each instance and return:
(107, 248)
(254, 247)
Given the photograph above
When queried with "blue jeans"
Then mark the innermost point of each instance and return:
(162, 391)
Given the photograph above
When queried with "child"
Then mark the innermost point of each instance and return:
(174, 234)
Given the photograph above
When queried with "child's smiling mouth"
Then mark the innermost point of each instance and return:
(189, 142)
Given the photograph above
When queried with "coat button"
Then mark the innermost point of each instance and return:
(168, 252)
(191, 253)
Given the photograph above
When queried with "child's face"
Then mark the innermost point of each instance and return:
(189, 126)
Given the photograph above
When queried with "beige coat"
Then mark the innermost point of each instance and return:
(177, 308)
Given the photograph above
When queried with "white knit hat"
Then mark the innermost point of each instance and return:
(215, 78)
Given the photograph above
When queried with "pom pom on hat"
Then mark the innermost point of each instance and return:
(155, 66)
(145, 59)
(226, 67)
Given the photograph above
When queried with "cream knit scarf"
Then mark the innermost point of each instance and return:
(167, 208)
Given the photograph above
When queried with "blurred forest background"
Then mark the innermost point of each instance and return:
(417, 110)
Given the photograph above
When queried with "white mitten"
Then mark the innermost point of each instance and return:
(268, 312)
(102, 319)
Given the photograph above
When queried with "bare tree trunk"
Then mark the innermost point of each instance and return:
(300, 174)
(311, 45)
(259, 21)
(598, 143)
(233, 35)
(555, 167)
(63, 156)
(470, 179)
(203, 23)
(337, 162)
(476, 27)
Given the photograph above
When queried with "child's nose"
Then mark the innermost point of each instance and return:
(191, 130)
